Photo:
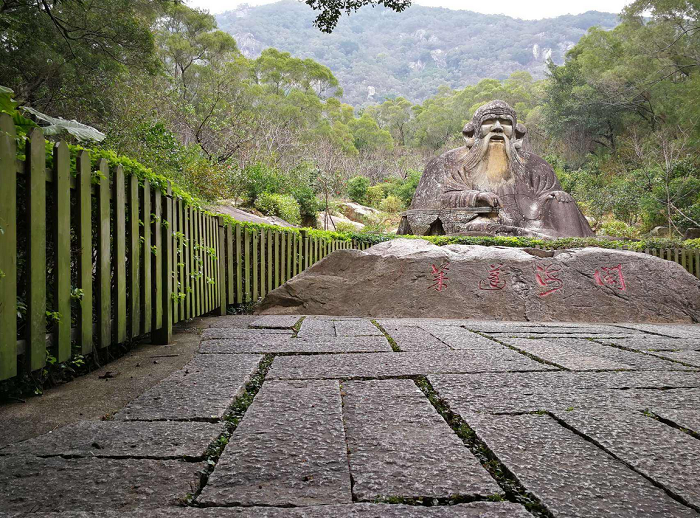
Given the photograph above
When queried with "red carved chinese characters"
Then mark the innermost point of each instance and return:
(494, 282)
(546, 276)
(439, 277)
(610, 276)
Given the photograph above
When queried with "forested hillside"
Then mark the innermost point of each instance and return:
(377, 53)
(619, 120)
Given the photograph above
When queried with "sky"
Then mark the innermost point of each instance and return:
(525, 9)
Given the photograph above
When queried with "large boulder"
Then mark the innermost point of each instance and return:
(414, 278)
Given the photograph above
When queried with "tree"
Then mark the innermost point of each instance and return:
(332, 9)
(61, 56)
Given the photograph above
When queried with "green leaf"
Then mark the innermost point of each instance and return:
(56, 125)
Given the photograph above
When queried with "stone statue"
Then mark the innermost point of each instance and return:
(492, 186)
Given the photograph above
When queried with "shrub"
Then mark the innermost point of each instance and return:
(357, 189)
(375, 195)
(280, 205)
(391, 204)
(344, 226)
(617, 228)
(258, 179)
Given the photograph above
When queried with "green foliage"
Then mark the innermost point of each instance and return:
(344, 226)
(375, 195)
(357, 189)
(391, 204)
(258, 179)
(281, 205)
(617, 228)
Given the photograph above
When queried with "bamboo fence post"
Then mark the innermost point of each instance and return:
(62, 236)
(119, 200)
(104, 264)
(134, 240)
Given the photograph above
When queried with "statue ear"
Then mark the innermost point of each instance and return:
(520, 130)
(468, 130)
(468, 133)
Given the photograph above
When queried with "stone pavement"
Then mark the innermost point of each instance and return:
(346, 417)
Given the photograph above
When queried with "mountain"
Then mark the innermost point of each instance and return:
(377, 53)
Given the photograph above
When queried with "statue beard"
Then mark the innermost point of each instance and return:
(491, 164)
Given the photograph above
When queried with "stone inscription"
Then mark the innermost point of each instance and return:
(439, 276)
(494, 281)
(610, 276)
(547, 276)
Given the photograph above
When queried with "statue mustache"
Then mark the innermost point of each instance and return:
(484, 145)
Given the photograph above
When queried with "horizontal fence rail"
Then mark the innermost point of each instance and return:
(95, 257)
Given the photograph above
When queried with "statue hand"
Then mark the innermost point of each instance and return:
(488, 198)
(560, 196)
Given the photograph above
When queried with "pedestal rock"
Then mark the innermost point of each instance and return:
(414, 278)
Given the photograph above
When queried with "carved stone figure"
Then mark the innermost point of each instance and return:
(492, 186)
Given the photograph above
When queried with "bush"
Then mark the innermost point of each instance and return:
(357, 189)
(344, 226)
(617, 228)
(375, 195)
(391, 204)
(280, 205)
(309, 204)
(258, 179)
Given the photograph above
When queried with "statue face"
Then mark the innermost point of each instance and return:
(496, 128)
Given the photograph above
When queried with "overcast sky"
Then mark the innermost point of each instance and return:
(529, 10)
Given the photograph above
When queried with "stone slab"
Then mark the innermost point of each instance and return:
(459, 338)
(217, 333)
(577, 359)
(234, 321)
(413, 338)
(163, 440)
(356, 328)
(668, 330)
(203, 389)
(56, 484)
(399, 446)
(582, 348)
(647, 342)
(377, 365)
(688, 418)
(359, 510)
(688, 357)
(275, 322)
(316, 328)
(288, 450)
(571, 476)
(340, 344)
(414, 278)
(665, 454)
(533, 391)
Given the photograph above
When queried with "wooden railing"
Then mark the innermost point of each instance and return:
(99, 258)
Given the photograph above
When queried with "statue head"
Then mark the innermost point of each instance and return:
(493, 141)
(497, 120)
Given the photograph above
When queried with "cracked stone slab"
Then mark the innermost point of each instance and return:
(164, 440)
(203, 389)
(669, 330)
(358, 344)
(460, 338)
(412, 339)
(533, 391)
(58, 484)
(276, 321)
(415, 322)
(587, 348)
(289, 449)
(689, 357)
(571, 476)
(685, 418)
(359, 510)
(581, 358)
(235, 321)
(399, 446)
(316, 328)
(376, 365)
(356, 328)
(664, 454)
(655, 343)
(216, 333)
